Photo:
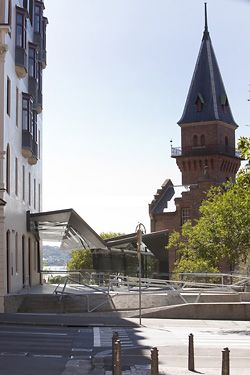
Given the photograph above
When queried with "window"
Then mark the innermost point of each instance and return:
(195, 140)
(17, 106)
(16, 176)
(23, 183)
(202, 140)
(39, 77)
(27, 113)
(35, 256)
(34, 126)
(39, 144)
(44, 25)
(34, 196)
(224, 103)
(185, 215)
(39, 197)
(8, 169)
(32, 61)
(20, 29)
(29, 188)
(31, 7)
(38, 18)
(25, 4)
(199, 103)
(16, 252)
(8, 96)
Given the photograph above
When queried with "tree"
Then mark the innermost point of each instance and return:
(82, 258)
(107, 235)
(222, 232)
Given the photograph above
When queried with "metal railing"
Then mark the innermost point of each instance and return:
(204, 150)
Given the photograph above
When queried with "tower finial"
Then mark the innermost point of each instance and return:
(206, 33)
(206, 28)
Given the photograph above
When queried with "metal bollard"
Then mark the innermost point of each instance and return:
(117, 358)
(115, 337)
(225, 362)
(191, 352)
(154, 361)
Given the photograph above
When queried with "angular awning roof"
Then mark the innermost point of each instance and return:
(69, 229)
(66, 227)
(155, 242)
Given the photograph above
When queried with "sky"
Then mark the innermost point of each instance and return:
(114, 88)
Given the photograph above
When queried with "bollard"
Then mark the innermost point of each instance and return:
(225, 362)
(117, 358)
(191, 352)
(154, 361)
(115, 337)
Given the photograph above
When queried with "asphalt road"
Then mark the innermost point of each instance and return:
(46, 350)
(40, 350)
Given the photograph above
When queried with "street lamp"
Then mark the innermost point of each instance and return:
(140, 230)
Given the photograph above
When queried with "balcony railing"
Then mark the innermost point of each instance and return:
(204, 150)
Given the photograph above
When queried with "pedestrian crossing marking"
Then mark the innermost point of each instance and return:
(103, 337)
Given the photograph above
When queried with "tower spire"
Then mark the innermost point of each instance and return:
(207, 99)
(206, 33)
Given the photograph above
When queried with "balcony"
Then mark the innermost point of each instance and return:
(33, 87)
(27, 144)
(21, 62)
(204, 150)
(38, 105)
(33, 159)
(43, 58)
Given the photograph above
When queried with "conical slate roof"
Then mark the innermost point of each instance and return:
(207, 99)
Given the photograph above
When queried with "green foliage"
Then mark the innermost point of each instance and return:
(222, 232)
(80, 259)
(58, 279)
(107, 235)
(244, 147)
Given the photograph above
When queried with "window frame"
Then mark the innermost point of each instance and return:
(32, 60)
(27, 109)
(185, 215)
(21, 28)
(8, 96)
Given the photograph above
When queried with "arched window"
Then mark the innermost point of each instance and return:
(195, 140)
(202, 140)
(7, 182)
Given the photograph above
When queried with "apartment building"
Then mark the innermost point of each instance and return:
(22, 61)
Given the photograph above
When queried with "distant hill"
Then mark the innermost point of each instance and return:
(54, 256)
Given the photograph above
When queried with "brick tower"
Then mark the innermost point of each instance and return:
(207, 126)
(207, 155)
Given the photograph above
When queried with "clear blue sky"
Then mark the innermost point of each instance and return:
(115, 85)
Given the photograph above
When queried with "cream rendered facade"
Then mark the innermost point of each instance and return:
(20, 141)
